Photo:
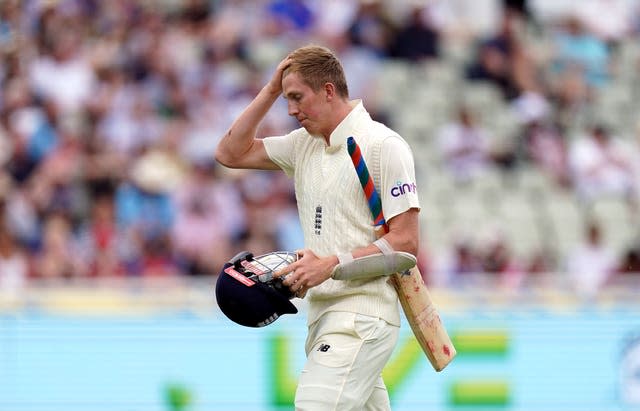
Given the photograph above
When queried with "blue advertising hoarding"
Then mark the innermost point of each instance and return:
(527, 359)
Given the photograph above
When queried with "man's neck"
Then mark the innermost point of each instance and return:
(341, 111)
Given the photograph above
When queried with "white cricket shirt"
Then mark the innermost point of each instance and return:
(333, 209)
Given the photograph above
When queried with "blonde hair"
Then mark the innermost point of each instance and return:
(316, 66)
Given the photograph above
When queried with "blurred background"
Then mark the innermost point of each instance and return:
(523, 117)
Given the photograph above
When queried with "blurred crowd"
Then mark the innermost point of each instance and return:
(110, 112)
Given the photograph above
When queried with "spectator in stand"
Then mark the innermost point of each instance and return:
(129, 123)
(209, 217)
(502, 58)
(145, 213)
(103, 168)
(454, 266)
(99, 239)
(540, 142)
(602, 165)
(63, 73)
(261, 234)
(578, 51)
(517, 6)
(9, 22)
(57, 182)
(22, 119)
(498, 259)
(371, 28)
(266, 198)
(630, 263)
(19, 212)
(545, 147)
(542, 261)
(416, 40)
(464, 147)
(490, 65)
(293, 14)
(591, 264)
(58, 256)
(332, 19)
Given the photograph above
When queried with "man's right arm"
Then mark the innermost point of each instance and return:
(239, 148)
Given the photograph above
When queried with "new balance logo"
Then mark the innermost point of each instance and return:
(324, 347)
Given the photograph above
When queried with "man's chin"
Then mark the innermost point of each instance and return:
(313, 132)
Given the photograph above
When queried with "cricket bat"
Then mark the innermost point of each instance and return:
(413, 294)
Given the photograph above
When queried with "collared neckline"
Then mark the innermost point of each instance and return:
(343, 131)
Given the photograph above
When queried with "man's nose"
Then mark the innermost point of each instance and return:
(293, 109)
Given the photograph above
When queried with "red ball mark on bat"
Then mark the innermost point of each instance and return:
(416, 289)
(446, 350)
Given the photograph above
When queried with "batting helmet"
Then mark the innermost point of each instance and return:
(249, 295)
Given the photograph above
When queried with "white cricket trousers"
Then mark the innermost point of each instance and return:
(346, 353)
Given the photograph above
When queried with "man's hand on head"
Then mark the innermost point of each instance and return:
(275, 84)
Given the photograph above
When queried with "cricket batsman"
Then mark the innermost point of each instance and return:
(353, 311)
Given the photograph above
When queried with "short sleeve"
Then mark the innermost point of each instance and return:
(399, 187)
(281, 151)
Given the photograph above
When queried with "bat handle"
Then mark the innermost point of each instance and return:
(381, 230)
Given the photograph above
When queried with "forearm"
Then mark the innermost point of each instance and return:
(377, 259)
(397, 243)
(402, 237)
(240, 138)
(406, 240)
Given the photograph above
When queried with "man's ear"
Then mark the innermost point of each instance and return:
(330, 90)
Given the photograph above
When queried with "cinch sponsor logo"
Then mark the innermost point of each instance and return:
(403, 188)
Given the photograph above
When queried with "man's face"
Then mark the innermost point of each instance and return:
(304, 104)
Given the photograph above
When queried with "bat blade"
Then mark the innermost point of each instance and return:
(422, 315)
